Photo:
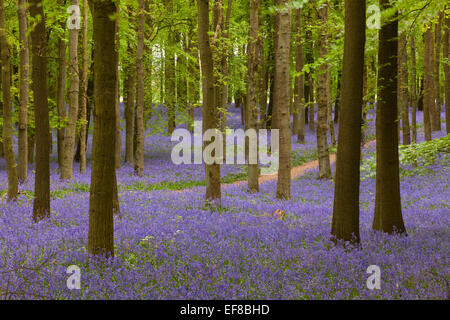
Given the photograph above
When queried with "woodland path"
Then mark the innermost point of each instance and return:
(295, 173)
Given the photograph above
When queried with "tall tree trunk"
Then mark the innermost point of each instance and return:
(388, 209)
(210, 113)
(299, 97)
(140, 137)
(252, 85)
(61, 95)
(322, 101)
(436, 121)
(403, 88)
(338, 97)
(74, 86)
(413, 91)
(428, 100)
(13, 182)
(330, 110)
(170, 94)
(101, 225)
(41, 204)
(83, 90)
(345, 224)
(22, 168)
(309, 87)
(129, 94)
(447, 72)
(282, 99)
(118, 154)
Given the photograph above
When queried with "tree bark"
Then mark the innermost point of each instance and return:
(22, 168)
(170, 94)
(11, 166)
(428, 100)
(41, 204)
(282, 99)
(322, 101)
(129, 94)
(252, 85)
(388, 210)
(345, 224)
(118, 154)
(403, 89)
(436, 120)
(74, 80)
(140, 136)
(447, 72)
(83, 90)
(299, 96)
(413, 90)
(210, 112)
(101, 229)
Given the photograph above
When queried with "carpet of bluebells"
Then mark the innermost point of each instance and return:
(169, 245)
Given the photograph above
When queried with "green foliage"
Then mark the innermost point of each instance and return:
(414, 158)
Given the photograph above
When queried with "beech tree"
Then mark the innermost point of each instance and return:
(428, 100)
(74, 87)
(140, 136)
(7, 109)
(345, 224)
(252, 84)
(101, 230)
(209, 83)
(388, 210)
(299, 95)
(41, 203)
(22, 167)
(447, 71)
(282, 99)
(322, 99)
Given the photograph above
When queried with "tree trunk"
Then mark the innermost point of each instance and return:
(322, 101)
(413, 91)
(170, 94)
(309, 88)
(282, 99)
(428, 100)
(345, 225)
(101, 228)
(11, 167)
(403, 89)
(41, 204)
(22, 168)
(140, 136)
(61, 95)
(118, 154)
(69, 139)
(193, 70)
(210, 112)
(330, 110)
(253, 80)
(436, 120)
(388, 209)
(299, 97)
(338, 97)
(447, 72)
(83, 90)
(129, 94)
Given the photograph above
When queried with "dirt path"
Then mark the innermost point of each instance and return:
(295, 172)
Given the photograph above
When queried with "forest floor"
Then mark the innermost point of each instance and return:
(170, 245)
